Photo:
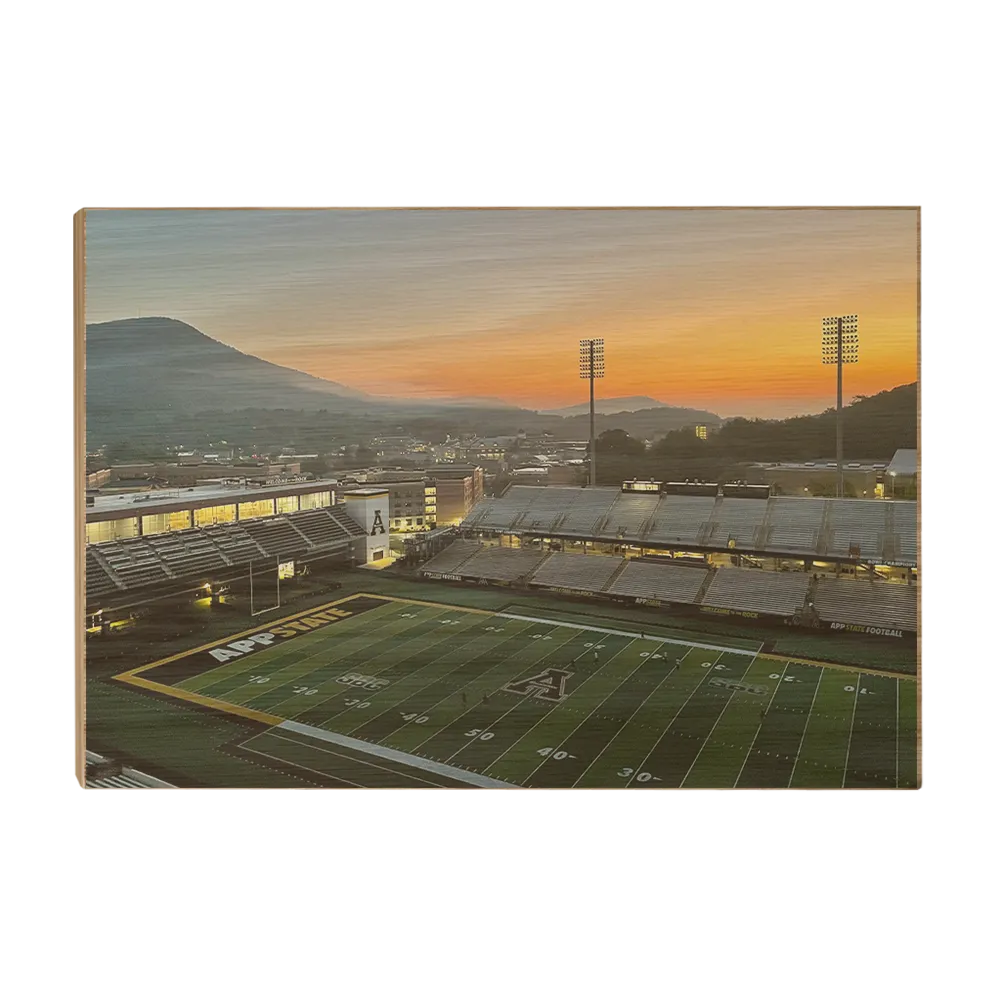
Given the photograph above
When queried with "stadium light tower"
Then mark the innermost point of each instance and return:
(591, 367)
(840, 347)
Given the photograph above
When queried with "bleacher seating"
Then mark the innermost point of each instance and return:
(795, 524)
(350, 526)
(134, 562)
(585, 511)
(856, 522)
(233, 542)
(752, 590)
(780, 525)
(738, 519)
(679, 519)
(544, 506)
(905, 515)
(659, 581)
(319, 527)
(496, 563)
(452, 557)
(628, 514)
(577, 572)
(863, 602)
(276, 536)
(115, 781)
(186, 552)
(99, 583)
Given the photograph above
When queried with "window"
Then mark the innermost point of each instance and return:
(309, 501)
(156, 524)
(256, 508)
(107, 531)
(287, 505)
(222, 514)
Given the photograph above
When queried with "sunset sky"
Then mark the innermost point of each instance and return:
(714, 309)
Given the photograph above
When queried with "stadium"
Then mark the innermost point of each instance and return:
(674, 634)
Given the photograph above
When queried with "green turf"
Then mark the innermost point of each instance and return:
(628, 720)
(653, 711)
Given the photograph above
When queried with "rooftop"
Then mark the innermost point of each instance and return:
(904, 462)
(182, 497)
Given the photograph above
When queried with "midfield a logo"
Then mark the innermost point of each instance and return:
(378, 528)
(549, 685)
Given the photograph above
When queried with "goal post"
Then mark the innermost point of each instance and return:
(267, 588)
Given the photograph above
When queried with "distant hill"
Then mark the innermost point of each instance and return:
(617, 404)
(153, 373)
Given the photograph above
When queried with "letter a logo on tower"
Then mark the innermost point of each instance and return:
(378, 528)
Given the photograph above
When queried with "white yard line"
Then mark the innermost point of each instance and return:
(805, 728)
(356, 760)
(521, 669)
(589, 714)
(232, 670)
(516, 704)
(322, 648)
(850, 735)
(627, 721)
(704, 744)
(427, 711)
(777, 686)
(388, 753)
(288, 763)
(371, 664)
(659, 739)
(633, 635)
(897, 732)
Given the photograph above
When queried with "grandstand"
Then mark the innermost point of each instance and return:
(660, 582)
(131, 565)
(104, 773)
(233, 542)
(793, 526)
(186, 552)
(857, 527)
(680, 519)
(501, 564)
(755, 592)
(577, 572)
(100, 582)
(452, 558)
(856, 602)
(877, 531)
(905, 524)
(764, 593)
(629, 515)
(736, 523)
(135, 563)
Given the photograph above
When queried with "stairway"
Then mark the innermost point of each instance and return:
(703, 589)
(614, 576)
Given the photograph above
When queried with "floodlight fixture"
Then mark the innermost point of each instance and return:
(592, 367)
(840, 347)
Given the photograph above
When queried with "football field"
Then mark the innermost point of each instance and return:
(370, 690)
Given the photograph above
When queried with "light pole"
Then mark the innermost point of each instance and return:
(840, 347)
(591, 367)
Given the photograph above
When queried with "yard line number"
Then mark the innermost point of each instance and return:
(642, 776)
